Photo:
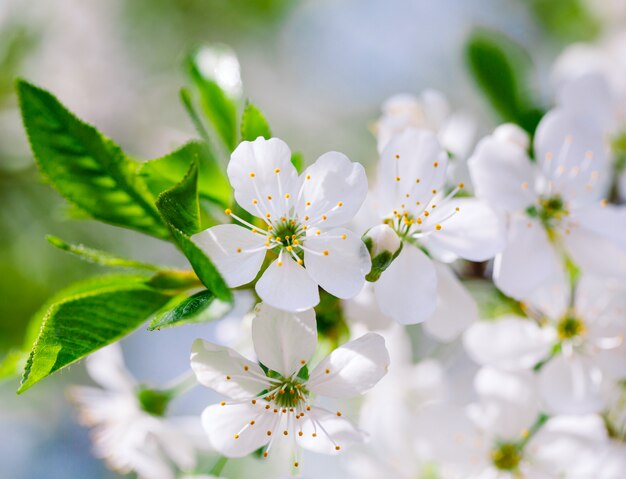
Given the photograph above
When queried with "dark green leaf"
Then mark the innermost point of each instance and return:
(185, 98)
(254, 124)
(502, 70)
(87, 321)
(177, 207)
(103, 258)
(163, 173)
(200, 307)
(180, 206)
(217, 106)
(174, 280)
(88, 169)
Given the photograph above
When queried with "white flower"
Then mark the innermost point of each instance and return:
(303, 217)
(128, 434)
(580, 339)
(552, 206)
(414, 201)
(275, 405)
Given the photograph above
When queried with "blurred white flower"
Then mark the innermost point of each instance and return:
(412, 198)
(580, 339)
(275, 404)
(554, 206)
(303, 217)
(129, 428)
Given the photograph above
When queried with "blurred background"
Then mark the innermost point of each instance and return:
(319, 70)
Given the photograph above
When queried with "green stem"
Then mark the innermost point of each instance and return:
(537, 425)
(219, 465)
(182, 384)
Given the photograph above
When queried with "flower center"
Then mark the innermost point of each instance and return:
(291, 393)
(550, 210)
(506, 456)
(570, 327)
(153, 401)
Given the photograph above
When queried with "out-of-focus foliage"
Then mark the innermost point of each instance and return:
(566, 20)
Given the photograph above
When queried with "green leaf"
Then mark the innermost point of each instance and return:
(179, 208)
(180, 205)
(199, 308)
(568, 20)
(254, 124)
(103, 258)
(502, 69)
(163, 173)
(297, 160)
(85, 167)
(218, 107)
(87, 321)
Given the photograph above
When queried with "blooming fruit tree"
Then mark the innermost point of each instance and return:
(509, 252)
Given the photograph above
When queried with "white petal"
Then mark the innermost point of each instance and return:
(222, 423)
(287, 285)
(595, 254)
(509, 343)
(456, 309)
(563, 144)
(407, 290)
(474, 232)
(589, 95)
(363, 309)
(528, 261)
(502, 174)
(335, 187)
(284, 341)
(237, 252)
(261, 170)
(212, 364)
(331, 432)
(351, 369)
(338, 265)
(571, 385)
(106, 367)
(411, 156)
(553, 297)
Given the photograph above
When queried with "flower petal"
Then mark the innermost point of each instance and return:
(571, 385)
(287, 285)
(407, 289)
(237, 252)
(326, 432)
(284, 341)
(413, 164)
(596, 254)
(528, 261)
(338, 261)
(502, 174)
(333, 187)
(106, 367)
(474, 232)
(456, 308)
(213, 365)
(261, 170)
(222, 423)
(509, 343)
(351, 369)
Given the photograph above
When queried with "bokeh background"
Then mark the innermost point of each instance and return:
(319, 69)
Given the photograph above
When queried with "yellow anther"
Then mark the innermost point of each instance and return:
(300, 433)
(318, 232)
(280, 263)
(604, 202)
(265, 453)
(343, 237)
(227, 378)
(303, 362)
(418, 221)
(236, 436)
(327, 371)
(289, 248)
(434, 191)
(267, 244)
(308, 203)
(339, 413)
(397, 156)
(295, 464)
(227, 211)
(277, 170)
(300, 262)
(340, 204)
(461, 185)
(252, 175)
(325, 252)
(417, 180)
(337, 448)
(426, 213)
(457, 208)
(254, 202)
(306, 218)
(246, 368)
(438, 227)
(324, 217)
(308, 177)
(287, 196)
(296, 242)
(397, 178)
(436, 164)
(285, 433)
(267, 215)
(269, 433)
(223, 403)
(269, 197)
(253, 401)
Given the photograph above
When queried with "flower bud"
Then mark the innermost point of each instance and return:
(384, 246)
(511, 133)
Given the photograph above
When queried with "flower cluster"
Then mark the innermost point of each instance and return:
(508, 251)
